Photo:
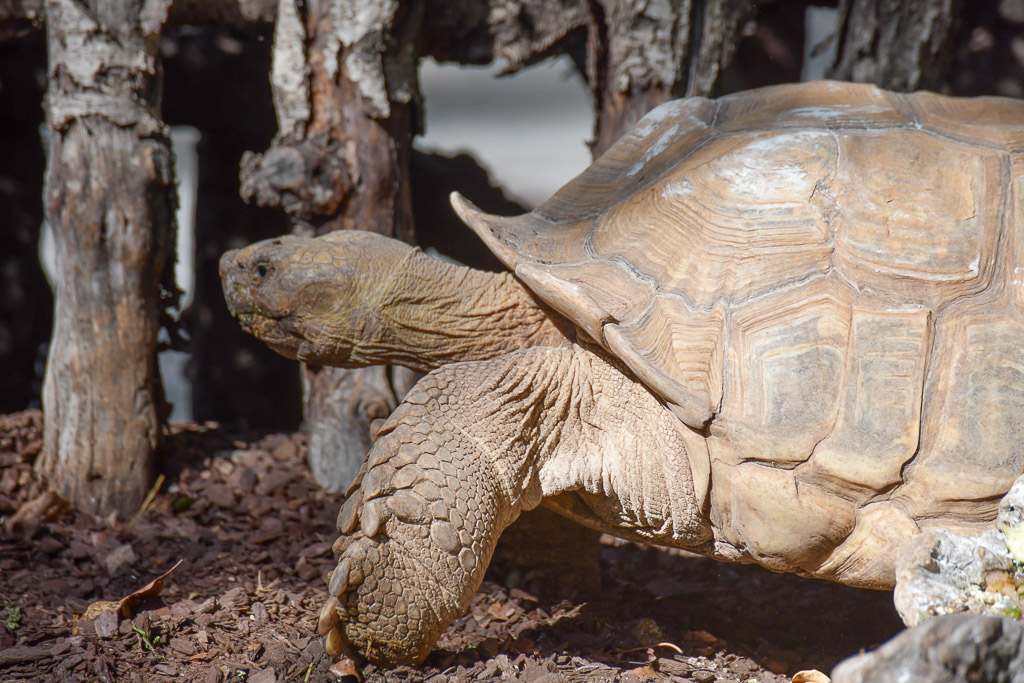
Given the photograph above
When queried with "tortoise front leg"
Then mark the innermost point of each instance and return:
(423, 518)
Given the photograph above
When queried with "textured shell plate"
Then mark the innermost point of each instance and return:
(828, 276)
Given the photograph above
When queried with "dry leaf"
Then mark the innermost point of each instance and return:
(99, 607)
(127, 604)
(346, 666)
(810, 676)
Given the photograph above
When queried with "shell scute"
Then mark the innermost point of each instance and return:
(638, 158)
(824, 105)
(919, 217)
(784, 367)
(992, 121)
(742, 215)
(879, 410)
(972, 433)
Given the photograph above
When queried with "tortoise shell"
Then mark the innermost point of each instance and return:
(825, 279)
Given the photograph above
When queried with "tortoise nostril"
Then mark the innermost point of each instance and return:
(262, 270)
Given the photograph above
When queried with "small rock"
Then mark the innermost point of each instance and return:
(703, 676)
(1010, 520)
(956, 648)
(939, 572)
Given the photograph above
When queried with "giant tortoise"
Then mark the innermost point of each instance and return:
(782, 327)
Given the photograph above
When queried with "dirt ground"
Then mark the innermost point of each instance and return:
(253, 535)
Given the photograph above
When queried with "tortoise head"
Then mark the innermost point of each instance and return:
(313, 299)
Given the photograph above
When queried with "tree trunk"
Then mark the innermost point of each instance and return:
(896, 44)
(340, 161)
(645, 52)
(110, 203)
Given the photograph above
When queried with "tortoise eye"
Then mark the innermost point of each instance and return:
(261, 270)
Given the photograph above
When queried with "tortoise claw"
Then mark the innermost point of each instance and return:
(328, 616)
(334, 643)
(339, 579)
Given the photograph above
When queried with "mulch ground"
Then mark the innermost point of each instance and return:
(253, 534)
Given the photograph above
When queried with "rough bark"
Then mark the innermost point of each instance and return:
(645, 52)
(26, 303)
(110, 202)
(344, 98)
(896, 44)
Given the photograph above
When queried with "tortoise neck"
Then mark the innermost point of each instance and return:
(433, 313)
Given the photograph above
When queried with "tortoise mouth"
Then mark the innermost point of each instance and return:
(267, 327)
(252, 319)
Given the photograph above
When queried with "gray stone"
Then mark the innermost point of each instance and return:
(939, 572)
(956, 648)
